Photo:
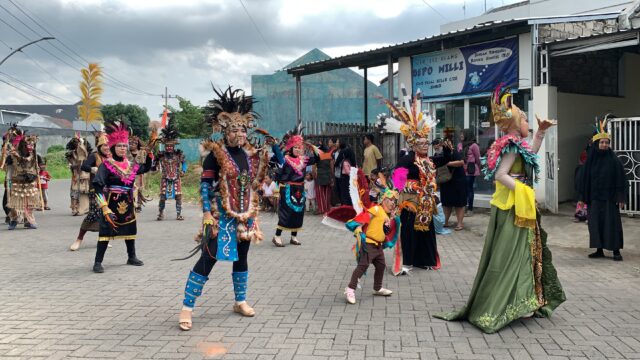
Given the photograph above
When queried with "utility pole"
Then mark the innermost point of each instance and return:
(166, 98)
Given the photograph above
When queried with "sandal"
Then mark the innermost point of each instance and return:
(458, 228)
(294, 241)
(184, 322)
(179, 217)
(277, 241)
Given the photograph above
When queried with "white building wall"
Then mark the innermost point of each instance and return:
(524, 61)
(404, 73)
(576, 116)
(541, 8)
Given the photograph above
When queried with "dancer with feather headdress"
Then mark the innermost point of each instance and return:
(113, 186)
(173, 166)
(232, 172)
(291, 173)
(414, 176)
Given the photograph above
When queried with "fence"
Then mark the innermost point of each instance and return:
(626, 144)
(353, 135)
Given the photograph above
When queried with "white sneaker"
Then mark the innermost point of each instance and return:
(383, 292)
(350, 295)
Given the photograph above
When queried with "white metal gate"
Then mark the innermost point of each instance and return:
(625, 142)
(551, 176)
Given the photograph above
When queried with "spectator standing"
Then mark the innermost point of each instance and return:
(604, 189)
(453, 193)
(324, 175)
(45, 177)
(470, 151)
(372, 155)
(310, 191)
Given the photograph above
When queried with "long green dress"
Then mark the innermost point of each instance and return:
(515, 275)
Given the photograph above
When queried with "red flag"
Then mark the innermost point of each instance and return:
(163, 122)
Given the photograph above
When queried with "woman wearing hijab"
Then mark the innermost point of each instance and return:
(604, 189)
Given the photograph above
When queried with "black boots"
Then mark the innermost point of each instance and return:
(97, 268)
(134, 261)
(598, 254)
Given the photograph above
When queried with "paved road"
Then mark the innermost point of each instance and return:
(52, 306)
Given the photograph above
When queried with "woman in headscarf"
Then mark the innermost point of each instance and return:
(515, 277)
(604, 189)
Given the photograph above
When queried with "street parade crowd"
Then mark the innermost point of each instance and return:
(402, 209)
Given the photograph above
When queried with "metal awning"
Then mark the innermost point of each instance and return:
(382, 56)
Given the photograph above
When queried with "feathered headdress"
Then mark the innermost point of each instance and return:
(170, 134)
(91, 89)
(101, 138)
(230, 109)
(294, 137)
(14, 134)
(503, 110)
(416, 123)
(601, 129)
(117, 133)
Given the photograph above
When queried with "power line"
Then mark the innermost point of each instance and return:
(26, 92)
(25, 11)
(36, 63)
(114, 82)
(33, 88)
(260, 33)
(434, 9)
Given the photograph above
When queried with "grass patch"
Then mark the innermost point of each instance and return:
(57, 166)
(190, 183)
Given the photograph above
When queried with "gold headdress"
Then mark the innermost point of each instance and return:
(503, 110)
(416, 123)
(601, 129)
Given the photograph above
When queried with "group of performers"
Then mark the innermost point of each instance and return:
(515, 278)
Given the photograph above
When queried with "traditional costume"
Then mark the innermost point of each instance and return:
(172, 166)
(515, 275)
(603, 188)
(23, 172)
(7, 148)
(292, 170)
(375, 229)
(77, 152)
(139, 156)
(414, 176)
(91, 221)
(113, 185)
(232, 173)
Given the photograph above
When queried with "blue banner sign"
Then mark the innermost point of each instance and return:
(469, 69)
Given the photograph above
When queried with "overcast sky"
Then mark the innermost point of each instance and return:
(145, 45)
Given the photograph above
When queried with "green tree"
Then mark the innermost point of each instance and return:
(135, 117)
(190, 119)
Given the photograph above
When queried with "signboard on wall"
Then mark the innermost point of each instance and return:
(469, 69)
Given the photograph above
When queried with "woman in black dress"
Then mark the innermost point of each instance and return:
(113, 185)
(604, 189)
(453, 193)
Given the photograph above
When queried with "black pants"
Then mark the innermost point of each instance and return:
(4, 202)
(207, 258)
(470, 195)
(102, 248)
(343, 190)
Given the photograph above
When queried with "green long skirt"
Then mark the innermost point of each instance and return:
(504, 288)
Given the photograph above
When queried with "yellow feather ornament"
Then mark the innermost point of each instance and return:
(91, 89)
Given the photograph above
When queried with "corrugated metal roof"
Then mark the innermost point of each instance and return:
(379, 56)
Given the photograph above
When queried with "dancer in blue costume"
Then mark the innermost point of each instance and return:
(232, 172)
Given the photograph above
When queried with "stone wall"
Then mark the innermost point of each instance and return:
(564, 31)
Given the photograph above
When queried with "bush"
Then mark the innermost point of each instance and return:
(55, 148)
(57, 165)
